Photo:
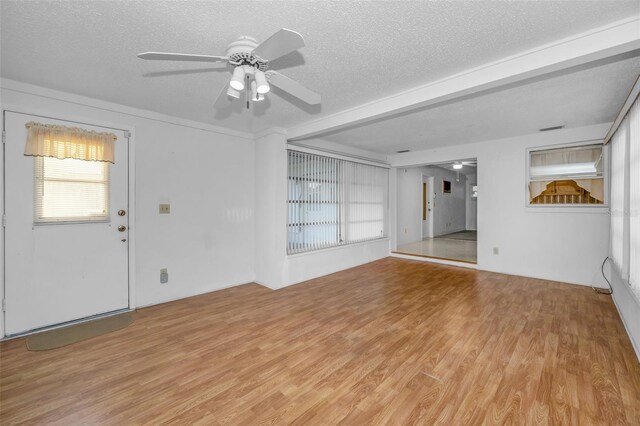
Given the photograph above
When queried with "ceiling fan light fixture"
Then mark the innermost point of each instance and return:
(248, 61)
(233, 93)
(457, 166)
(261, 82)
(255, 96)
(237, 81)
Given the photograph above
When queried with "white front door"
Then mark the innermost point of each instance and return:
(58, 269)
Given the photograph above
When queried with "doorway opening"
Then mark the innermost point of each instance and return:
(437, 211)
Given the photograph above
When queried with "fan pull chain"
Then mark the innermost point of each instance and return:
(248, 87)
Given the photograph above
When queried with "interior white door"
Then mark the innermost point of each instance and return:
(427, 194)
(472, 207)
(58, 272)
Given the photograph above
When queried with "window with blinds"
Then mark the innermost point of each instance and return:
(624, 248)
(70, 190)
(618, 194)
(634, 197)
(332, 202)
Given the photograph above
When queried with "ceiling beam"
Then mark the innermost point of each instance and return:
(615, 39)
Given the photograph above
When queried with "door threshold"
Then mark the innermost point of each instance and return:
(65, 324)
(436, 259)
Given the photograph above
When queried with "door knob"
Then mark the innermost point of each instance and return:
(122, 228)
(121, 212)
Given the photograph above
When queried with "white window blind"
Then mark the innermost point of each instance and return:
(364, 201)
(333, 202)
(70, 190)
(618, 190)
(634, 197)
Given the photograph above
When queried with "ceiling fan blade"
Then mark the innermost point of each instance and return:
(283, 42)
(293, 88)
(164, 56)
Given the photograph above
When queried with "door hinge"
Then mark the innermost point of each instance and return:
(4, 136)
(4, 221)
(4, 305)
(127, 134)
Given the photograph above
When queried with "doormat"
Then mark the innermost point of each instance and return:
(76, 333)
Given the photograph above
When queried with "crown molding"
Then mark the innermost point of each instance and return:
(271, 131)
(30, 89)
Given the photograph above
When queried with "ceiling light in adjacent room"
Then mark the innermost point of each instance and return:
(457, 166)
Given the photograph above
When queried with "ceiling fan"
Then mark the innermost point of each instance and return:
(249, 63)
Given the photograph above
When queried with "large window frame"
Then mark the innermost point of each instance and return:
(569, 207)
(333, 202)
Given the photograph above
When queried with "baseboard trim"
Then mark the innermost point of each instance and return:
(634, 344)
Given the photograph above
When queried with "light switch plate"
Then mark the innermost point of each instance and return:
(165, 208)
(164, 276)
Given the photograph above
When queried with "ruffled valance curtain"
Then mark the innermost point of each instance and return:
(47, 140)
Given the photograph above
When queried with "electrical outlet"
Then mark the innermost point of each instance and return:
(496, 251)
(164, 276)
(165, 208)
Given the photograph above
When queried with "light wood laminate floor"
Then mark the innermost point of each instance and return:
(442, 248)
(391, 342)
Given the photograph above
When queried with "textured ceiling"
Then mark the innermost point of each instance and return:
(580, 98)
(356, 51)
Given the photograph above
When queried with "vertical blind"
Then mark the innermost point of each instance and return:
(634, 197)
(618, 161)
(333, 202)
(625, 198)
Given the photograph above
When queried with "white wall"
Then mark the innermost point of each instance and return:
(409, 211)
(551, 243)
(306, 266)
(205, 173)
(274, 268)
(271, 201)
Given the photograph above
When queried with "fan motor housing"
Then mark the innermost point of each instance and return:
(239, 53)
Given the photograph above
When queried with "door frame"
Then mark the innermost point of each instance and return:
(430, 180)
(131, 258)
(468, 202)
